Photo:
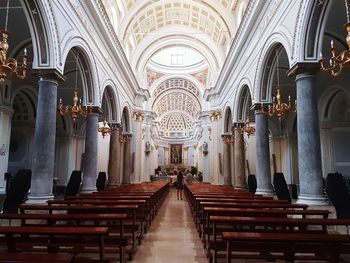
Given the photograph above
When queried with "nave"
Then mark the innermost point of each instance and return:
(172, 237)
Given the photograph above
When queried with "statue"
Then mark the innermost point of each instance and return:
(147, 148)
(205, 148)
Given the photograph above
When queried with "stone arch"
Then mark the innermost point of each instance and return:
(43, 31)
(110, 104)
(87, 65)
(276, 40)
(227, 120)
(27, 103)
(311, 25)
(24, 102)
(125, 120)
(165, 78)
(334, 104)
(153, 46)
(243, 105)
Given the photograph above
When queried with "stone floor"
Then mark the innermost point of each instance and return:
(172, 237)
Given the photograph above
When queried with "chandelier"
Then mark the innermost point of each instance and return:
(337, 62)
(105, 129)
(10, 65)
(277, 107)
(76, 109)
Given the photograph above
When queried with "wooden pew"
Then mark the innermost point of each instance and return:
(130, 210)
(52, 232)
(324, 246)
(225, 209)
(141, 216)
(39, 219)
(256, 212)
(267, 224)
(35, 258)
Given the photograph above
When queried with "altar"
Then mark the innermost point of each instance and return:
(175, 153)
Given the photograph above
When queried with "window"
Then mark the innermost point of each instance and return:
(176, 59)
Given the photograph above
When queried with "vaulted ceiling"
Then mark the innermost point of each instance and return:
(169, 42)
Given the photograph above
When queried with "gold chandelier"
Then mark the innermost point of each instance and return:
(76, 109)
(277, 107)
(105, 129)
(338, 62)
(10, 65)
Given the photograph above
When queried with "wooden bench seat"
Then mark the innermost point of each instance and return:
(36, 258)
(142, 214)
(266, 224)
(148, 202)
(326, 246)
(131, 226)
(52, 233)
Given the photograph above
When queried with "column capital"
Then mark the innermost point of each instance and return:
(116, 126)
(49, 74)
(138, 115)
(94, 110)
(260, 107)
(228, 138)
(302, 67)
(125, 138)
(215, 115)
(238, 125)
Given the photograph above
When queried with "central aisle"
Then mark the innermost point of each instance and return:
(172, 237)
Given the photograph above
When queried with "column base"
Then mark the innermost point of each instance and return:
(39, 199)
(88, 190)
(268, 192)
(114, 185)
(312, 199)
(240, 187)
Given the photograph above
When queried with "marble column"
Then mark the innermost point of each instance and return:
(114, 156)
(139, 143)
(239, 155)
(89, 168)
(309, 147)
(214, 153)
(228, 140)
(5, 134)
(126, 139)
(44, 140)
(263, 170)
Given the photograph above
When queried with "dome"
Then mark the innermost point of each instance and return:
(176, 125)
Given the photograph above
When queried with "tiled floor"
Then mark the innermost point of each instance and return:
(172, 237)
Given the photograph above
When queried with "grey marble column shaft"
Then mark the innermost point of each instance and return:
(227, 164)
(239, 155)
(127, 161)
(90, 157)
(44, 141)
(114, 158)
(309, 147)
(263, 170)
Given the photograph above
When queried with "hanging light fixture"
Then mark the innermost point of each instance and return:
(277, 108)
(76, 109)
(10, 65)
(105, 129)
(338, 62)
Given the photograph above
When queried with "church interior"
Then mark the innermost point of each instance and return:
(174, 131)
